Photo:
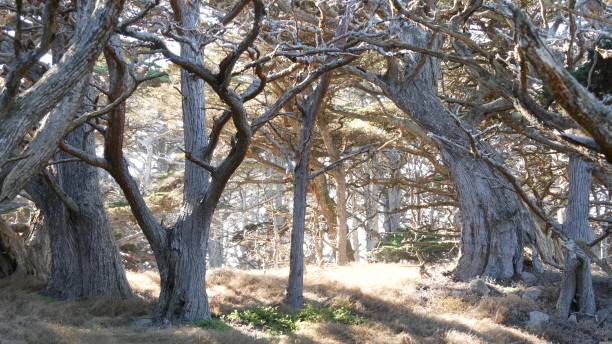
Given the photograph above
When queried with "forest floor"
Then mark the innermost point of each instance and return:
(393, 303)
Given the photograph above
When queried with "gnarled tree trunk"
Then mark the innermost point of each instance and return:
(492, 215)
(24, 250)
(85, 261)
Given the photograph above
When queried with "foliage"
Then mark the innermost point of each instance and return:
(275, 321)
(117, 204)
(163, 78)
(405, 244)
(269, 318)
(340, 314)
(213, 324)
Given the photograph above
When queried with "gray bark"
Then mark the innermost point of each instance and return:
(339, 176)
(371, 200)
(215, 253)
(21, 113)
(577, 283)
(327, 207)
(311, 109)
(492, 215)
(183, 294)
(26, 253)
(85, 261)
(393, 194)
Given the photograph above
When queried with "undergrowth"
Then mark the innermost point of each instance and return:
(213, 324)
(274, 321)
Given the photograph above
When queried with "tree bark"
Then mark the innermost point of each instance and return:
(577, 283)
(85, 260)
(19, 114)
(393, 194)
(327, 207)
(310, 110)
(371, 194)
(340, 178)
(492, 215)
(183, 294)
(27, 252)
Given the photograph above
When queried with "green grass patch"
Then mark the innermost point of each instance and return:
(117, 204)
(274, 321)
(213, 324)
(340, 314)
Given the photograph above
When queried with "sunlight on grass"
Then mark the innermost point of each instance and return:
(274, 321)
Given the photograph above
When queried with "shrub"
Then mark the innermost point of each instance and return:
(117, 204)
(276, 322)
(340, 314)
(269, 318)
(213, 324)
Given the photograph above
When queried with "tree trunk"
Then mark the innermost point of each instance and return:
(215, 253)
(183, 295)
(310, 110)
(492, 215)
(393, 194)
(24, 252)
(577, 283)
(19, 114)
(85, 260)
(493, 221)
(182, 298)
(371, 195)
(341, 193)
(327, 207)
(295, 286)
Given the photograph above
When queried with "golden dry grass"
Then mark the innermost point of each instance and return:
(399, 307)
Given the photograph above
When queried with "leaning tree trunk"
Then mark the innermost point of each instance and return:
(493, 220)
(492, 216)
(85, 261)
(577, 282)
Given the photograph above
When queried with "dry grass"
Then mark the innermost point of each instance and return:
(399, 307)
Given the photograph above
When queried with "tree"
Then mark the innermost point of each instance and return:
(180, 251)
(577, 281)
(20, 112)
(310, 109)
(493, 217)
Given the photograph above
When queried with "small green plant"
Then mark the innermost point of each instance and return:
(274, 321)
(213, 324)
(340, 314)
(100, 68)
(117, 204)
(163, 77)
(269, 318)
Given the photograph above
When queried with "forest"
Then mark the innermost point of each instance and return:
(305, 171)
